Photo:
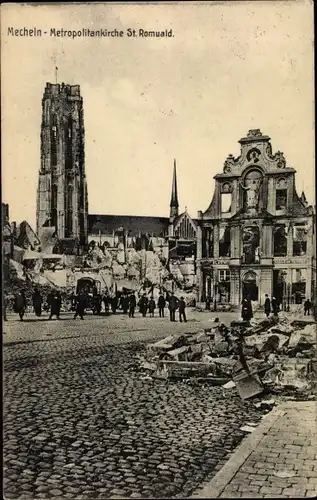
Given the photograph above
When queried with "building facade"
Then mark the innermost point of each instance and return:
(257, 236)
(62, 199)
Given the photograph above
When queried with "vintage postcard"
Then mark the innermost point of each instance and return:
(158, 250)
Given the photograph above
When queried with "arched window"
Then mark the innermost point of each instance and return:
(68, 143)
(54, 206)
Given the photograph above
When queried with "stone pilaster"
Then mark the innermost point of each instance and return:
(216, 241)
(271, 196)
(266, 240)
(200, 284)
(235, 242)
(235, 287)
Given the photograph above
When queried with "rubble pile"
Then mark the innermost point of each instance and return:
(264, 356)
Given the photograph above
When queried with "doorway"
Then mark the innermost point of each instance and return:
(250, 289)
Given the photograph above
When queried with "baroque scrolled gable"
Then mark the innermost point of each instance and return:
(256, 149)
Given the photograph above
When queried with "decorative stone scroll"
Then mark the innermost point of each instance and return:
(230, 162)
(278, 157)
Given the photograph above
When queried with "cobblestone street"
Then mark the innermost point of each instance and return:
(80, 422)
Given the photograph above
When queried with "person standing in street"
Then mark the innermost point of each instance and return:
(114, 304)
(81, 304)
(143, 305)
(246, 312)
(275, 306)
(172, 305)
(267, 306)
(132, 305)
(106, 301)
(55, 302)
(20, 304)
(307, 307)
(181, 309)
(161, 305)
(37, 302)
(151, 307)
(125, 303)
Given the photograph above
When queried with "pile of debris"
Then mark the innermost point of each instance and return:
(265, 356)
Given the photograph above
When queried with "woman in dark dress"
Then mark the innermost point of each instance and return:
(37, 302)
(246, 311)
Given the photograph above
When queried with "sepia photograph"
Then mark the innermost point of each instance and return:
(158, 250)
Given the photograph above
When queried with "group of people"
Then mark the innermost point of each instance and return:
(270, 306)
(126, 302)
(174, 304)
(147, 305)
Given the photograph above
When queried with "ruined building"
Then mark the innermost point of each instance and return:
(62, 200)
(177, 232)
(257, 236)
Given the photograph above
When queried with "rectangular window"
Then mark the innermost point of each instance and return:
(224, 242)
(299, 240)
(281, 199)
(224, 275)
(280, 241)
(226, 203)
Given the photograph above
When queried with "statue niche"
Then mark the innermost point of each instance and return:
(251, 245)
(251, 188)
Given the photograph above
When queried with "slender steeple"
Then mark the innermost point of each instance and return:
(174, 197)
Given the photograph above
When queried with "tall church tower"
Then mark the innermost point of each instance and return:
(62, 199)
(174, 197)
(173, 204)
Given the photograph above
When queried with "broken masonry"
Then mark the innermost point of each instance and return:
(263, 356)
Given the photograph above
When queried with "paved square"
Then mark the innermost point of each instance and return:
(80, 422)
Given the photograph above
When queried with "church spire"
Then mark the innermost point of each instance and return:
(174, 197)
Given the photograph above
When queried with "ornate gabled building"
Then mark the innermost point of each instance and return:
(257, 235)
(62, 201)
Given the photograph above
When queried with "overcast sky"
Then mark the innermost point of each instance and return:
(229, 68)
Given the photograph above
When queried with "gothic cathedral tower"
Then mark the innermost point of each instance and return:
(62, 200)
